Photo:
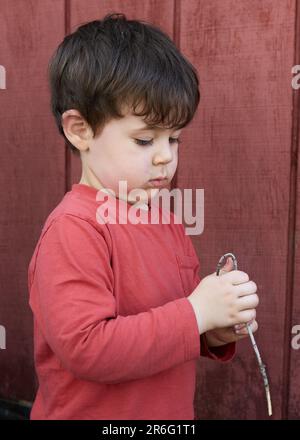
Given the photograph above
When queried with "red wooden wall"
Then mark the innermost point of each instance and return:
(241, 147)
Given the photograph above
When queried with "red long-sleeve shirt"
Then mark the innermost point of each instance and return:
(114, 334)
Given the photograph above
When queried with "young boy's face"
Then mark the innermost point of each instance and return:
(117, 154)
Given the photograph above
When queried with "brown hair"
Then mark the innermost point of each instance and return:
(107, 63)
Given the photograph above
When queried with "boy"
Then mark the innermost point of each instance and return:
(120, 314)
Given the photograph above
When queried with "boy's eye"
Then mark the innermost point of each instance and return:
(143, 142)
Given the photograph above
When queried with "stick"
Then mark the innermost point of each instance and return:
(262, 367)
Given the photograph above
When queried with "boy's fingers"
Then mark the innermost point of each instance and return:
(242, 328)
(246, 288)
(248, 301)
(244, 324)
(239, 326)
(236, 277)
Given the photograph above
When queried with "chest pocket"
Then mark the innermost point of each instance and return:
(186, 266)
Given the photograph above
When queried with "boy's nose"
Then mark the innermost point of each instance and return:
(164, 154)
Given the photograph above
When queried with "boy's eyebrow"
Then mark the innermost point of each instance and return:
(152, 127)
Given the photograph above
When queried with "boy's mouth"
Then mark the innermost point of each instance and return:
(158, 182)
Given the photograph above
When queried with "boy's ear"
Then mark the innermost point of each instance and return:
(76, 129)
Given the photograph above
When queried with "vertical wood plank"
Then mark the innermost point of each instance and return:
(293, 366)
(32, 177)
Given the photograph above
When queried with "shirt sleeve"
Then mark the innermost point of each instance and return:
(72, 298)
(223, 353)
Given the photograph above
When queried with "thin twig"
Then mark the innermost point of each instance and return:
(262, 367)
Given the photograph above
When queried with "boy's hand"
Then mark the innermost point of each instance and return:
(222, 336)
(226, 335)
(220, 302)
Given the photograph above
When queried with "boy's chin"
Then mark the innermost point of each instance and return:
(142, 197)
